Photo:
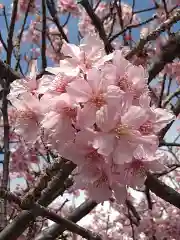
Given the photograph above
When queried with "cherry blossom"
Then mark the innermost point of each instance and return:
(120, 132)
(95, 111)
(27, 117)
(83, 57)
(93, 93)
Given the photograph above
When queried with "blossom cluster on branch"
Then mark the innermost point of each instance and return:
(95, 111)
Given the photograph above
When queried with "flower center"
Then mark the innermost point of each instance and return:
(61, 88)
(70, 112)
(124, 84)
(136, 168)
(99, 100)
(146, 128)
(60, 84)
(25, 115)
(121, 130)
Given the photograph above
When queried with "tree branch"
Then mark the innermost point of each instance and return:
(21, 222)
(69, 225)
(43, 47)
(55, 229)
(169, 52)
(154, 34)
(97, 23)
(163, 191)
(53, 12)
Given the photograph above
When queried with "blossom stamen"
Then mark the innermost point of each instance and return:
(99, 100)
(25, 115)
(121, 130)
(146, 128)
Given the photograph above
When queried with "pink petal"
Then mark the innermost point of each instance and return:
(69, 67)
(79, 90)
(113, 94)
(85, 137)
(104, 142)
(72, 152)
(86, 116)
(149, 143)
(119, 58)
(70, 50)
(135, 117)
(155, 166)
(120, 193)
(106, 118)
(163, 117)
(123, 152)
(105, 59)
(94, 80)
(137, 75)
(100, 194)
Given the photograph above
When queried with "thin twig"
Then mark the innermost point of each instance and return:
(162, 91)
(43, 47)
(132, 26)
(21, 34)
(3, 43)
(154, 34)
(53, 12)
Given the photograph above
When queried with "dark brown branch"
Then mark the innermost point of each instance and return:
(145, 10)
(5, 83)
(42, 211)
(52, 232)
(7, 72)
(133, 210)
(5, 18)
(119, 13)
(131, 224)
(53, 13)
(169, 52)
(35, 193)
(148, 197)
(169, 144)
(98, 25)
(162, 91)
(154, 34)
(170, 97)
(43, 47)
(5, 178)
(55, 188)
(3, 43)
(163, 191)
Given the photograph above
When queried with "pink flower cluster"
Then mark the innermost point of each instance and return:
(95, 111)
